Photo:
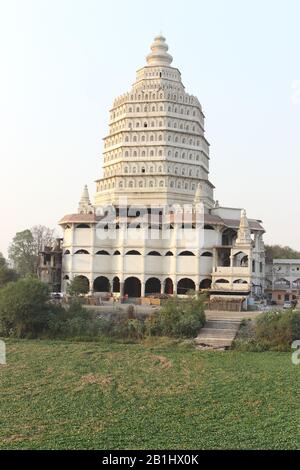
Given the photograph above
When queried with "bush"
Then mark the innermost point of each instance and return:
(72, 322)
(178, 317)
(271, 331)
(26, 312)
(277, 330)
(23, 308)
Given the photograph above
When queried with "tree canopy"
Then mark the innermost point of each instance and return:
(6, 274)
(280, 252)
(78, 286)
(23, 307)
(22, 252)
(27, 245)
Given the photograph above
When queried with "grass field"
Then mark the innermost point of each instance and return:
(58, 395)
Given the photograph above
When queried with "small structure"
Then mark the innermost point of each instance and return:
(49, 266)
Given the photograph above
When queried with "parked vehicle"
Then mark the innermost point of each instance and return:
(56, 295)
(287, 305)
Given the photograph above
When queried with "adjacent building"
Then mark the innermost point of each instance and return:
(50, 266)
(283, 280)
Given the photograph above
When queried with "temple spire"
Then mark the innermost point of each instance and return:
(244, 234)
(85, 206)
(159, 54)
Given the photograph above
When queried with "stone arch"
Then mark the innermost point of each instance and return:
(240, 281)
(186, 253)
(184, 285)
(169, 253)
(133, 252)
(168, 286)
(132, 287)
(241, 259)
(86, 280)
(152, 286)
(228, 237)
(205, 284)
(81, 252)
(101, 284)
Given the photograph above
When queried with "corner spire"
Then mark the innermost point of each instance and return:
(85, 206)
(244, 234)
(198, 194)
(159, 54)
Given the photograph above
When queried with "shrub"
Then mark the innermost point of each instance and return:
(178, 317)
(23, 308)
(278, 329)
(78, 286)
(72, 322)
(274, 330)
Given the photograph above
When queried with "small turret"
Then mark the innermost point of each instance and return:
(85, 206)
(198, 195)
(244, 234)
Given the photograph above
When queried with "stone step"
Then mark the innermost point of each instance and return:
(217, 332)
(222, 325)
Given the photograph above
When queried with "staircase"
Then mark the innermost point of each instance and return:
(219, 331)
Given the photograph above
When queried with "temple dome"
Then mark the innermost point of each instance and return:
(159, 54)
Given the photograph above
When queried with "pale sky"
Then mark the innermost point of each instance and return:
(64, 61)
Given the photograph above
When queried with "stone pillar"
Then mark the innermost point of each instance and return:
(142, 289)
(121, 289)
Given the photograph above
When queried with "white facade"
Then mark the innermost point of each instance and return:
(156, 156)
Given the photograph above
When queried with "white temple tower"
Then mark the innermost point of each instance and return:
(156, 150)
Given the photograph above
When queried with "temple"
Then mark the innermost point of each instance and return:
(154, 226)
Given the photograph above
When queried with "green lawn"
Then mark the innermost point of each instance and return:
(57, 395)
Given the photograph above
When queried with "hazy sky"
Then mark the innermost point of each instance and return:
(64, 61)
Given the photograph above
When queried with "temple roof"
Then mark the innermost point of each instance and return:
(208, 219)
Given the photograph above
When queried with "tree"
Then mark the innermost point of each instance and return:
(23, 308)
(6, 274)
(42, 236)
(22, 252)
(26, 246)
(280, 252)
(78, 286)
(2, 260)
